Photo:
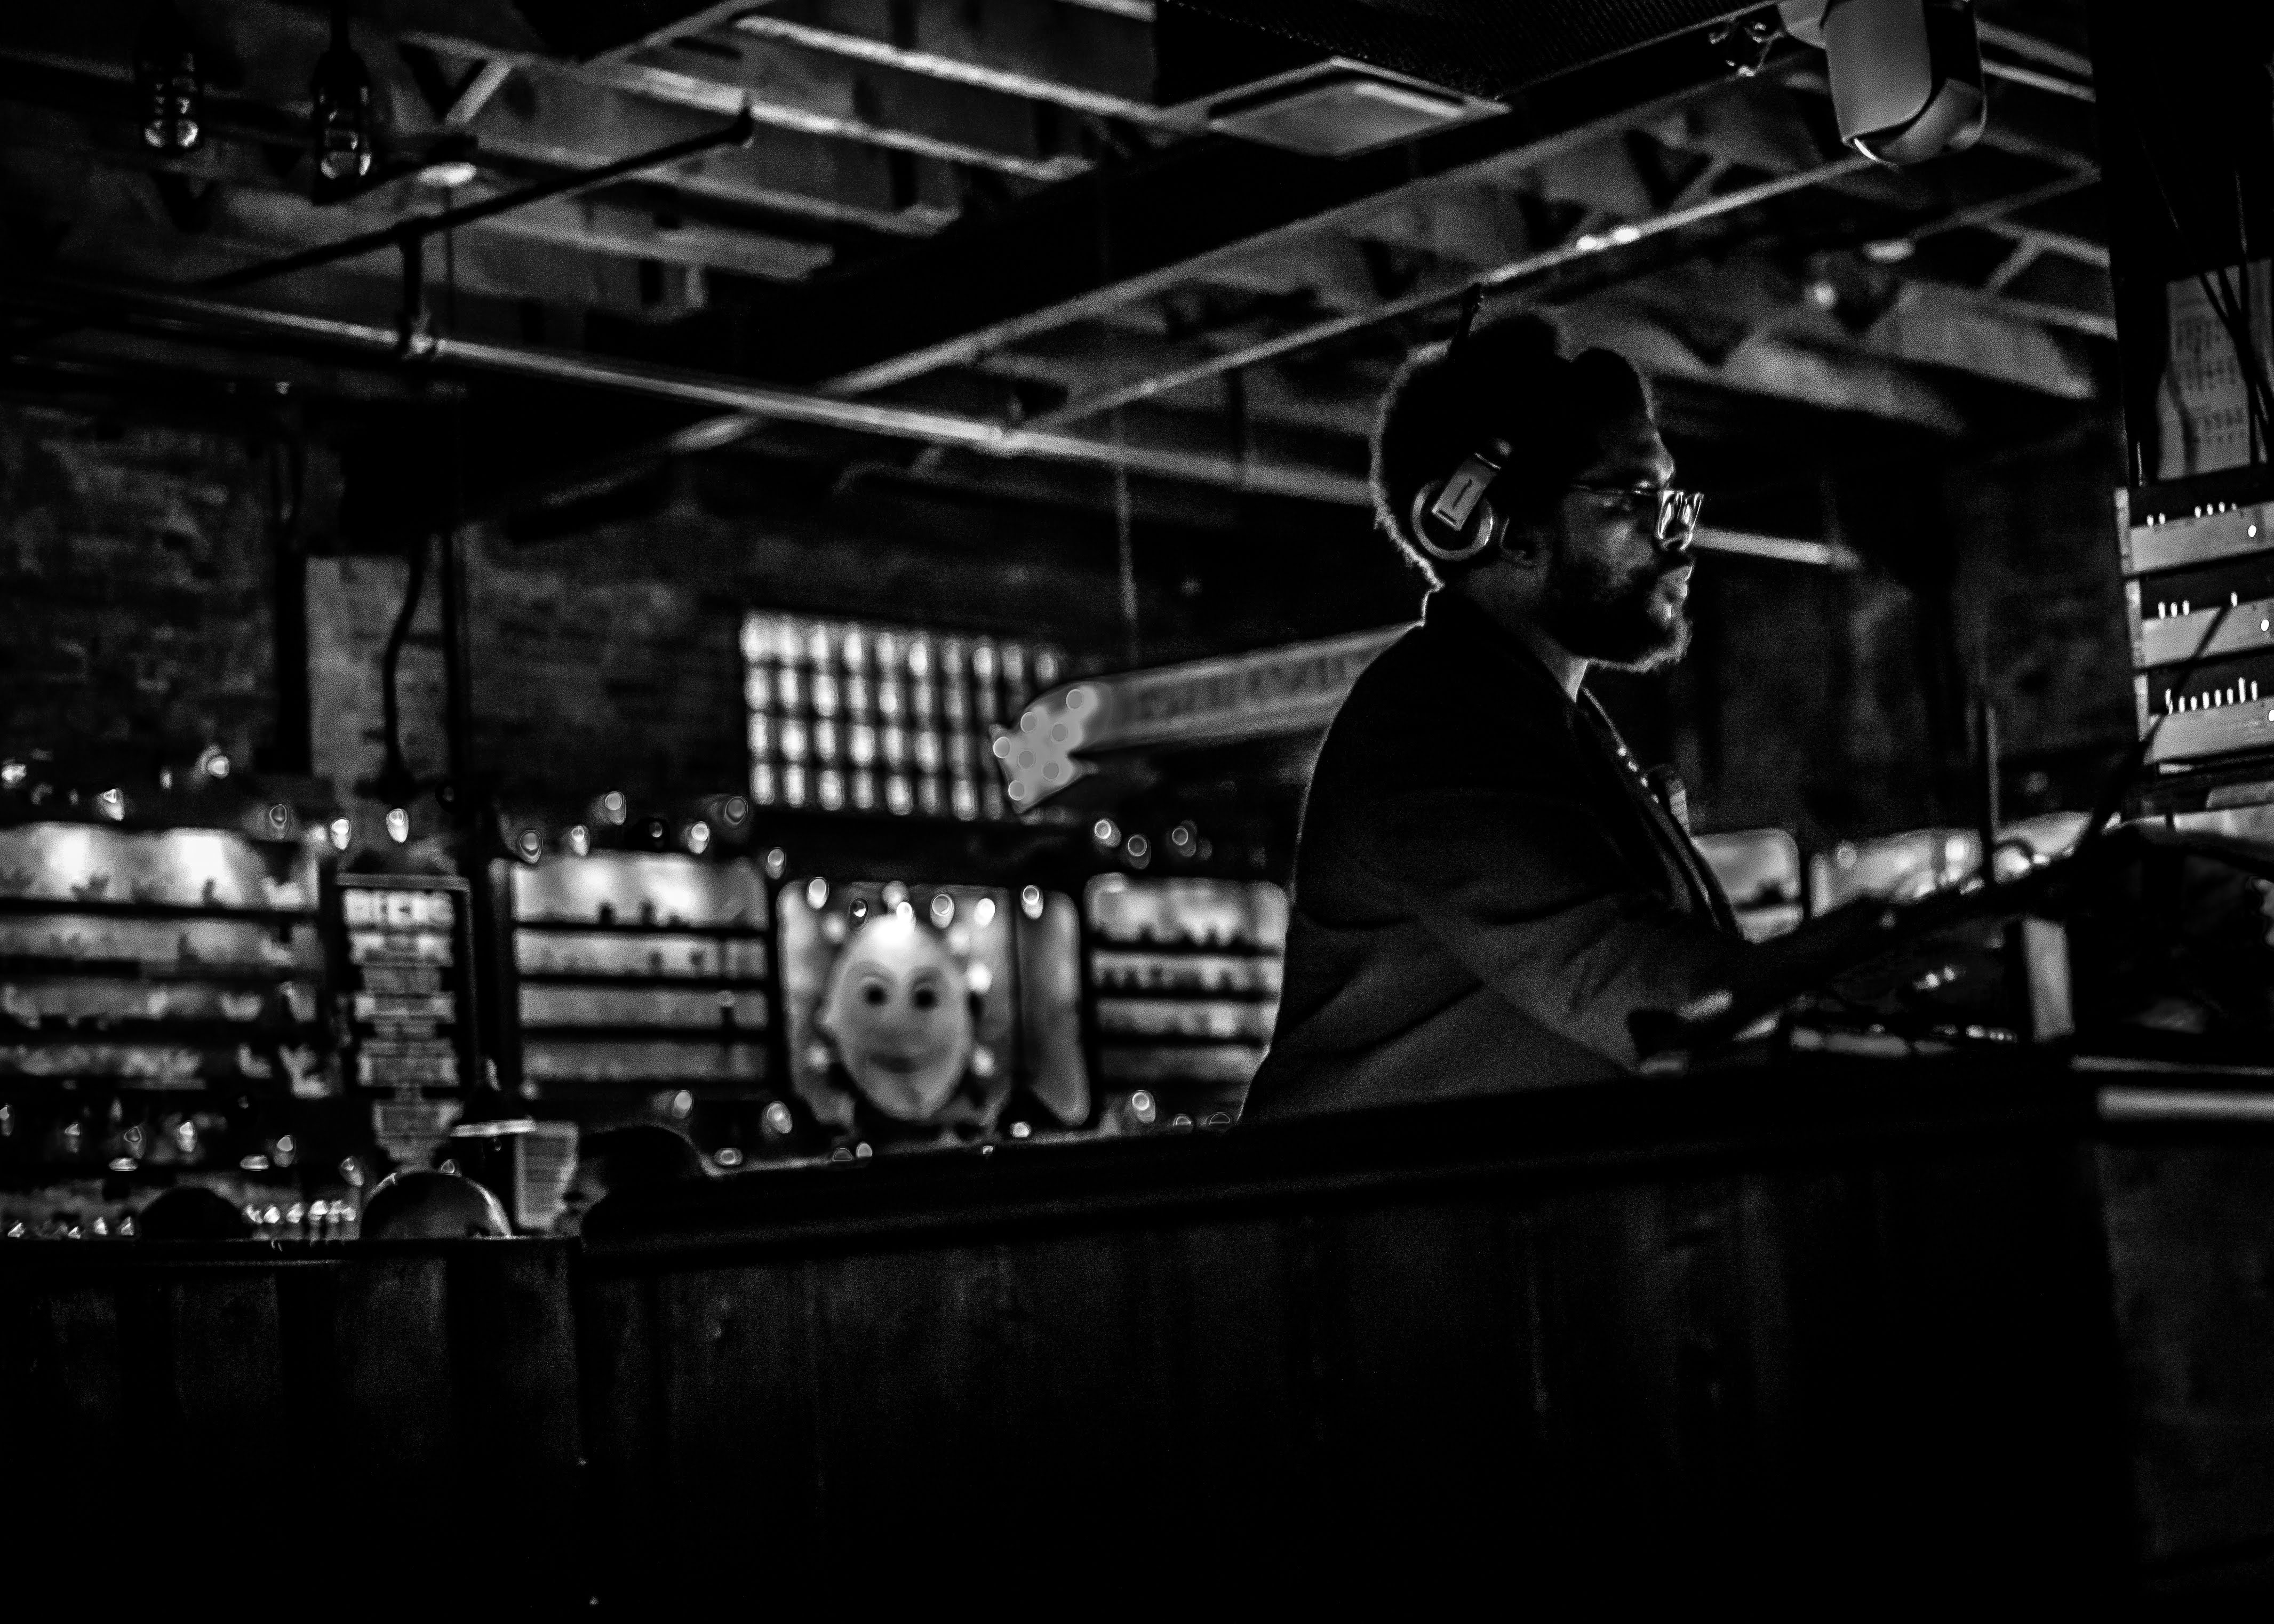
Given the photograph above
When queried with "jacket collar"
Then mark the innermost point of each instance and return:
(1449, 614)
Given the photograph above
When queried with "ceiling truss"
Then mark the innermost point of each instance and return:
(970, 224)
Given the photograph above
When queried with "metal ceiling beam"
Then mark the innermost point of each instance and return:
(2031, 48)
(2084, 251)
(273, 44)
(568, 259)
(76, 67)
(824, 108)
(1587, 245)
(562, 121)
(2050, 82)
(1089, 61)
(2089, 324)
(104, 184)
(489, 79)
(894, 112)
(1111, 240)
(696, 19)
(416, 228)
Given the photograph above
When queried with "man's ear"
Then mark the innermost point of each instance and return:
(1523, 544)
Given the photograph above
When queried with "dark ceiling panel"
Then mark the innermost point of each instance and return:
(1488, 48)
(581, 28)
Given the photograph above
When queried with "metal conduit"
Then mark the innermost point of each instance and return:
(182, 315)
(753, 403)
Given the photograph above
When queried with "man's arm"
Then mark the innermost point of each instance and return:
(1523, 886)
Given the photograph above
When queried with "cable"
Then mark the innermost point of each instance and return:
(2112, 795)
(2258, 396)
(397, 782)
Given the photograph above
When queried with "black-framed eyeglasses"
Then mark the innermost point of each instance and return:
(1676, 523)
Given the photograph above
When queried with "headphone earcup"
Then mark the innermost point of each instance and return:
(1439, 540)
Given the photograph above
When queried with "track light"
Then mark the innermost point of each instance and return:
(166, 86)
(339, 118)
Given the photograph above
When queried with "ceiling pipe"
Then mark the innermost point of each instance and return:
(182, 317)
(179, 315)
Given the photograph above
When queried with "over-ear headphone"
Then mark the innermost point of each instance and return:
(1452, 519)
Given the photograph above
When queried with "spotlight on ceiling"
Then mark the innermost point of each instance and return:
(339, 118)
(166, 85)
(1905, 74)
(447, 175)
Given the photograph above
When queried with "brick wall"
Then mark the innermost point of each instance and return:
(135, 583)
(135, 614)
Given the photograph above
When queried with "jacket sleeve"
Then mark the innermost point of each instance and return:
(1521, 885)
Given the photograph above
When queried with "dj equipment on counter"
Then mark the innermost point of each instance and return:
(2199, 596)
(1760, 870)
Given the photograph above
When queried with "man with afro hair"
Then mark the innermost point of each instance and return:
(1486, 887)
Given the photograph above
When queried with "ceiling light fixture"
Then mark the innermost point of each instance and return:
(165, 84)
(449, 174)
(339, 117)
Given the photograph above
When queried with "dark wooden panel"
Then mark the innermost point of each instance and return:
(397, 1434)
(406, 1417)
(623, 1415)
(1420, 1330)
(733, 1367)
(1800, 1353)
(1230, 1358)
(66, 1429)
(513, 1360)
(2191, 1251)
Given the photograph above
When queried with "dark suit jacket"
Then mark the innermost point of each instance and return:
(1485, 889)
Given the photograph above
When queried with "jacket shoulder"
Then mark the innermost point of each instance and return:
(1432, 704)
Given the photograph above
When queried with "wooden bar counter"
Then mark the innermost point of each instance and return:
(1831, 1329)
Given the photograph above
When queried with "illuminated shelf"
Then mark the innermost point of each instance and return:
(643, 970)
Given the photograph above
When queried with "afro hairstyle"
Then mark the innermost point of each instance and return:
(1506, 380)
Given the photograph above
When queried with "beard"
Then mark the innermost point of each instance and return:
(1613, 619)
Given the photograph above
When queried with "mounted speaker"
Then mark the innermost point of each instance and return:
(1905, 74)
